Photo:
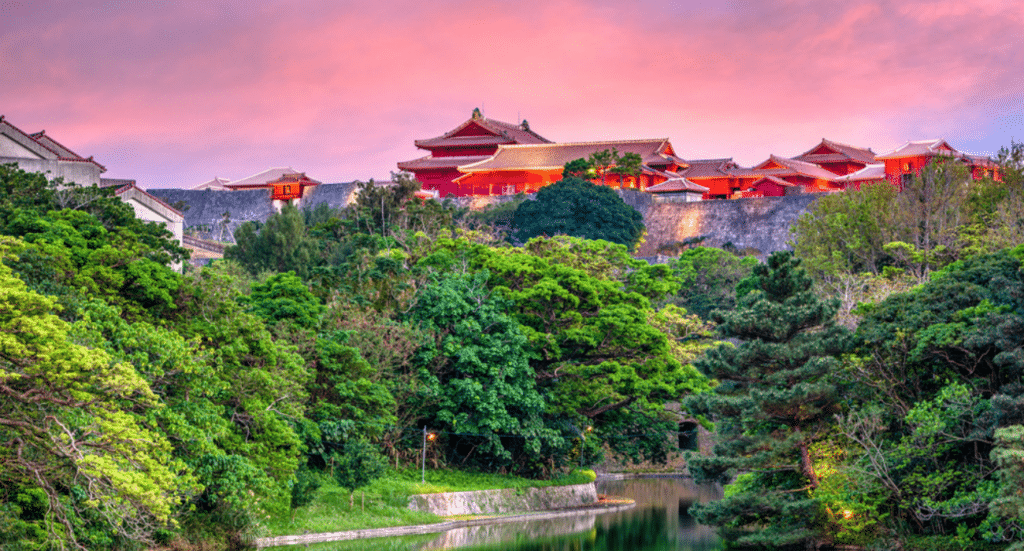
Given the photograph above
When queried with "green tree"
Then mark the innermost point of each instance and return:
(708, 279)
(90, 469)
(259, 385)
(281, 244)
(578, 208)
(599, 357)
(1008, 507)
(485, 391)
(629, 164)
(602, 161)
(283, 297)
(937, 377)
(845, 233)
(774, 400)
(578, 168)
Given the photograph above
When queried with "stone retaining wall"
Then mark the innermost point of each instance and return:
(585, 515)
(489, 502)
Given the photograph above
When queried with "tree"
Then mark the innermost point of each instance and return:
(578, 168)
(280, 245)
(845, 233)
(578, 208)
(73, 450)
(774, 400)
(930, 209)
(600, 355)
(283, 297)
(602, 161)
(708, 279)
(936, 379)
(477, 369)
(628, 165)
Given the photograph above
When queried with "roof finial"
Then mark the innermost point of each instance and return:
(477, 114)
(525, 125)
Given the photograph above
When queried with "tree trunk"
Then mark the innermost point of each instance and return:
(806, 467)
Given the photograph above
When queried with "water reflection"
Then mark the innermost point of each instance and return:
(659, 522)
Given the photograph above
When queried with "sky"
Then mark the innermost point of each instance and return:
(176, 93)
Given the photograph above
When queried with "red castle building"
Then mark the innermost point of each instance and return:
(484, 157)
(907, 160)
(487, 157)
(475, 140)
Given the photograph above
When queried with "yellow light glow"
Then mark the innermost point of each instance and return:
(431, 437)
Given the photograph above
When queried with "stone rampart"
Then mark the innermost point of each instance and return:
(760, 224)
(216, 214)
(489, 502)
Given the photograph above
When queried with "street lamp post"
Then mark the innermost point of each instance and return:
(426, 436)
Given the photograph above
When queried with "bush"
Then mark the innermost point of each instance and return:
(357, 464)
(304, 488)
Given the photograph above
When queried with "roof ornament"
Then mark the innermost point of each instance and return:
(477, 114)
(525, 125)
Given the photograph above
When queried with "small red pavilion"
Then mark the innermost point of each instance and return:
(285, 188)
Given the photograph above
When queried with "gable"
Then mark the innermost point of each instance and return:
(473, 129)
(667, 150)
(11, 148)
(822, 149)
(769, 164)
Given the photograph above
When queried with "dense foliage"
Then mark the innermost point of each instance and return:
(144, 406)
(574, 206)
(141, 406)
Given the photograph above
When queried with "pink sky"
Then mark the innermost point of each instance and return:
(175, 93)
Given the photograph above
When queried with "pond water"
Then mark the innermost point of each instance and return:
(659, 522)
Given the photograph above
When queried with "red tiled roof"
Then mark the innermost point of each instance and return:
(870, 172)
(838, 152)
(298, 177)
(555, 156)
(512, 133)
(464, 141)
(430, 162)
(773, 179)
(677, 185)
(709, 168)
(920, 148)
(793, 167)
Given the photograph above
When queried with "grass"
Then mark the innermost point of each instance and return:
(384, 502)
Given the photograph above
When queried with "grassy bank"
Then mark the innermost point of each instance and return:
(384, 502)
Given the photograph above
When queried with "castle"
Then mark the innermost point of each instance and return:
(486, 157)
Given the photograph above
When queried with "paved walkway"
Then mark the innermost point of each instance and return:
(600, 508)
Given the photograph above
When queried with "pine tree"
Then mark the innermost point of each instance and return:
(774, 399)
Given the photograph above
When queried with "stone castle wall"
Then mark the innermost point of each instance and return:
(758, 224)
(217, 214)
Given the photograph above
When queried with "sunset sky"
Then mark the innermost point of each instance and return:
(175, 93)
